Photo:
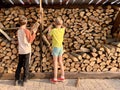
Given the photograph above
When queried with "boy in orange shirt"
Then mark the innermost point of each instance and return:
(25, 38)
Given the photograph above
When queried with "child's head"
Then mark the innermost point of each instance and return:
(58, 21)
(23, 20)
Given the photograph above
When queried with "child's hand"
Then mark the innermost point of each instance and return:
(33, 32)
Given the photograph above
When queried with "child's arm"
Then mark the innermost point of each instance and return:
(47, 29)
(48, 35)
(30, 36)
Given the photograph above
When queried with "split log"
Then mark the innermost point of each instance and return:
(76, 55)
(72, 57)
(5, 34)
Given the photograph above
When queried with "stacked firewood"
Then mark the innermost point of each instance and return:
(8, 54)
(87, 31)
(85, 41)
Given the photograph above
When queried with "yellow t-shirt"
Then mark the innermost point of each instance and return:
(57, 36)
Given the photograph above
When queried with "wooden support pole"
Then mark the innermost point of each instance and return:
(116, 22)
(41, 34)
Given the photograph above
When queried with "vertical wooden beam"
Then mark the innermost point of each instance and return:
(41, 34)
(116, 22)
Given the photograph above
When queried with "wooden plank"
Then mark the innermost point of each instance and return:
(14, 28)
(69, 75)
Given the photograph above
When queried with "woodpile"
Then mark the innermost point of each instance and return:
(85, 42)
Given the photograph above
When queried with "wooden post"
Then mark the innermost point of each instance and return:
(41, 34)
(116, 22)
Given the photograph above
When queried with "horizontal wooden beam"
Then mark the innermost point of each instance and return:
(68, 75)
(14, 28)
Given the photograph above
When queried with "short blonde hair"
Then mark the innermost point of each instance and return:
(58, 21)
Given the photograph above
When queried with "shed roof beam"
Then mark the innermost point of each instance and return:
(11, 2)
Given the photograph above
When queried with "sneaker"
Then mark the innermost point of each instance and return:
(53, 81)
(16, 83)
(61, 79)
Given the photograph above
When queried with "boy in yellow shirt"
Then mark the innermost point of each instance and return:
(57, 35)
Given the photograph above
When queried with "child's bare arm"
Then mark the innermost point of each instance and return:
(47, 29)
(48, 34)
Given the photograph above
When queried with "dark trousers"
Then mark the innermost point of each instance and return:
(23, 62)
